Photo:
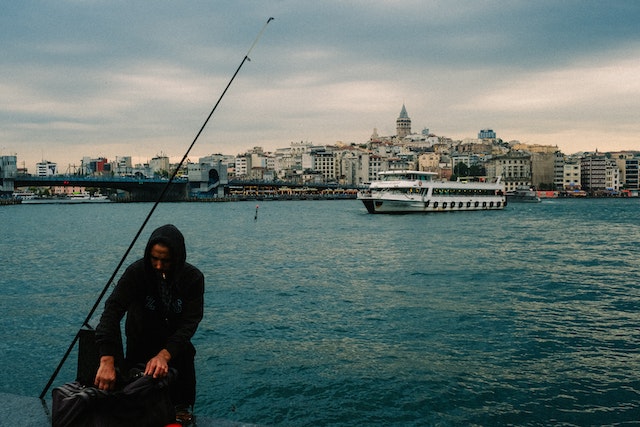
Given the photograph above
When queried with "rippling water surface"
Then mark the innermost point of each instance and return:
(318, 313)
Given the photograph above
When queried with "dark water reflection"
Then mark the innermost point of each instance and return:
(320, 314)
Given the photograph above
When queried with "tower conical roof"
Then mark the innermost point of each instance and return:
(403, 113)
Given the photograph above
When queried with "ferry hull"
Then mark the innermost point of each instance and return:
(389, 206)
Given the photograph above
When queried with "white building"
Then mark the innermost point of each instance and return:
(46, 168)
(324, 162)
(242, 166)
(123, 165)
(571, 176)
(515, 170)
(612, 176)
(159, 164)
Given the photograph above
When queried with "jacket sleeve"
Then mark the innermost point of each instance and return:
(192, 311)
(108, 335)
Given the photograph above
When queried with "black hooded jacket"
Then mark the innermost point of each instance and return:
(151, 325)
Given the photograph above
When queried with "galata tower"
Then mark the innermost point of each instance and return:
(403, 124)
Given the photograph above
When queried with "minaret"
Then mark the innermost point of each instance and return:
(403, 124)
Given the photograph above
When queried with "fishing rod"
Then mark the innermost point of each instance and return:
(146, 220)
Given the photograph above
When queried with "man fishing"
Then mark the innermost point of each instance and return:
(163, 297)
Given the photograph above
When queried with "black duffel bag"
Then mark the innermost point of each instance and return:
(143, 401)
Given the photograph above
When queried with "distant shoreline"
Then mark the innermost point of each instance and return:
(52, 201)
(10, 201)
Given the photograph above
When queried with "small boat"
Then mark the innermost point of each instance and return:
(24, 195)
(416, 191)
(82, 197)
(523, 195)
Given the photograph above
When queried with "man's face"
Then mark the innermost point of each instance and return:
(160, 258)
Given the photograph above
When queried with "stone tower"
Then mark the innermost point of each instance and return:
(403, 124)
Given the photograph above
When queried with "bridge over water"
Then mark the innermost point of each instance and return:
(149, 189)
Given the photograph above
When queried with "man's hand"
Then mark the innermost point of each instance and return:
(106, 375)
(158, 366)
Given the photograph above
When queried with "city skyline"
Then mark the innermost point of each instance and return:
(102, 79)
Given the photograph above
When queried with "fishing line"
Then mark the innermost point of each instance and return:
(146, 220)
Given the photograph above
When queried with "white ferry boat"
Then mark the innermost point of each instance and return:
(414, 191)
(24, 195)
(82, 197)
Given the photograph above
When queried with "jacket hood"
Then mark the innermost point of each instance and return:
(170, 236)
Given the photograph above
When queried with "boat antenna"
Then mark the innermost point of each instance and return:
(146, 220)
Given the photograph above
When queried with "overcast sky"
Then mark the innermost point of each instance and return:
(115, 78)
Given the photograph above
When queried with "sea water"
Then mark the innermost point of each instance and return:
(319, 314)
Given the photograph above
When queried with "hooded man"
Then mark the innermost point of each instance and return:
(163, 297)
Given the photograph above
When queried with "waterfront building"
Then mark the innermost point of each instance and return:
(89, 166)
(270, 161)
(514, 168)
(123, 166)
(311, 177)
(351, 166)
(159, 164)
(558, 170)
(209, 175)
(374, 165)
(258, 173)
(628, 164)
(571, 177)
(469, 159)
(593, 173)
(46, 168)
(242, 166)
(322, 161)
(347, 162)
(142, 170)
(251, 165)
(8, 173)
(543, 167)
(611, 177)
(66, 190)
(283, 161)
(631, 170)
(216, 159)
(258, 160)
(290, 162)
